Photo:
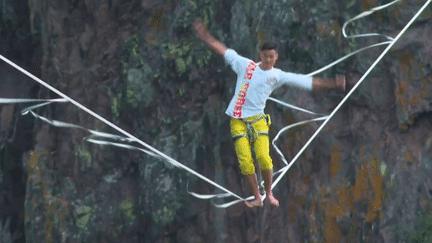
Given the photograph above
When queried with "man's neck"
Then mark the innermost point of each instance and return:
(265, 68)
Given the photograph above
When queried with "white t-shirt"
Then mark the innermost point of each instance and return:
(255, 85)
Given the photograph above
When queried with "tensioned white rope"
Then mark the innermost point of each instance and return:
(225, 195)
(13, 101)
(364, 14)
(352, 91)
(157, 153)
(133, 138)
(390, 43)
(60, 123)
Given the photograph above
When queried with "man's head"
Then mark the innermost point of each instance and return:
(268, 55)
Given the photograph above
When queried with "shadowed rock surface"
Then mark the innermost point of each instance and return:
(365, 178)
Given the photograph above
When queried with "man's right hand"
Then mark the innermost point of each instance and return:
(200, 28)
(341, 83)
(202, 33)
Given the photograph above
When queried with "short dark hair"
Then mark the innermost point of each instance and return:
(269, 45)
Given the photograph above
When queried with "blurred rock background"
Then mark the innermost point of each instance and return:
(365, 178)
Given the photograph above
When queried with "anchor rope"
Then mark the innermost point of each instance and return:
(391, 41)
(156, 153)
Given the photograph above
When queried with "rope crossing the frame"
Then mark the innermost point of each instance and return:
(150, 150)
(284, 170)
(391, 41)
(97, 137)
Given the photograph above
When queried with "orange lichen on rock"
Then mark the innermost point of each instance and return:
(330, 31)
(332, 231)
(376, 180)
(332, 211)
(403, 101)
(345, 200)
(369, 4)
(339, 202)
(369, 186)
(49, 224)
(408, 66)
(402, 92)
(294, 135)
(313, 224)
(360, 189)
(158, 22)
(397, 10)
(34, 167)
(321, 29)
(374, 206)
(300, 200)
(335, 161)
(292, 212)
(55, 208)
(402, 88)
(408, 157)
(406, 63)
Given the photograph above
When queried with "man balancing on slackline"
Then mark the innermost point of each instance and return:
(255, 82)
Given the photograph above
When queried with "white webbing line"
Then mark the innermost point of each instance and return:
(364, 14)
(13, 101)
(283, 170)
(134, 139)
(58, 123)
(174, 162)
(323, 69)
(346, 57)
(289, 127)
(69, 125)
(293, 106)
(349, 94)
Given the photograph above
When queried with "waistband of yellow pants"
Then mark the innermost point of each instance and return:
(255, 118)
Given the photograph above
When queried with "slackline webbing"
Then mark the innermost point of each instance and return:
(391, 41)
(284, 170)
(156, 153)
(131, 137)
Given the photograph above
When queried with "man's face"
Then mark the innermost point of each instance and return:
(268, 59)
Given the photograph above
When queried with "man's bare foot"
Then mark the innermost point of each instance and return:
(255, 203)
(272, 200)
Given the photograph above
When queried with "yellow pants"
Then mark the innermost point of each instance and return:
(258, 132)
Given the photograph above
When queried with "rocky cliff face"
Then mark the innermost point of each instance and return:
(365, 178)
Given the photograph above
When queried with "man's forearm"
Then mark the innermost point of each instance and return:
(214, 44)
(322, 84)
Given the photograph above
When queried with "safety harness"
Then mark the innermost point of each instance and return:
(251, 132)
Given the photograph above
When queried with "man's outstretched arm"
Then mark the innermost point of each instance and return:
(207, 38)
(331, 84)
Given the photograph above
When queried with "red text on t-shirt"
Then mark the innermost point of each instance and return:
(241, 99)
(249, 70)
